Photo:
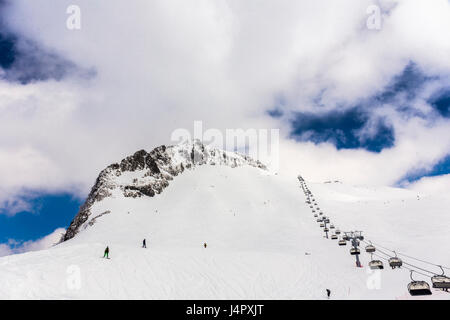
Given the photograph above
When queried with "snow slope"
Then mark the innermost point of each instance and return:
(263, 242)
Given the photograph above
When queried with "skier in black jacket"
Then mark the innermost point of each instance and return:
(144, 244)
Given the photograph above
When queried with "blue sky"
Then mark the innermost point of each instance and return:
(73, 102)
(49, 213)
(441, 168)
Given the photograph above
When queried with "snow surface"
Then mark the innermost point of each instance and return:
(262, 243)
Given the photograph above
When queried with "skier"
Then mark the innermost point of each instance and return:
(144, 245)
(204, 245)
(328, 293)
(106, 253)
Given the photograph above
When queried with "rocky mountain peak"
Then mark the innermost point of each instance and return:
(145, 174)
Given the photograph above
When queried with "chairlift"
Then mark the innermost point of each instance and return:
(326, 229)
(418, 288)
(395, 262)
(441, 281)
(346, 238)
(354, 251)
(319, 220)
(370, 248)
(332, 226)
(375, 264)
(322, 225)
(315, 216)
(333, 237)
(338, 231)
(342, 242)
(327, 220)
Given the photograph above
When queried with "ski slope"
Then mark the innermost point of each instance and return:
(262, 243)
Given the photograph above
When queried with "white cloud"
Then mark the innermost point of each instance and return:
(5, 250)
(163, 64)
(432, 185)
(42, 243)
(14, 247)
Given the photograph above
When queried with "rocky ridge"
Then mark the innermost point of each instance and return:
(145, 174)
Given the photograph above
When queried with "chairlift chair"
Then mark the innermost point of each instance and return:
(342, 242)
(322, 225)
(333, 237)
(326, 229)
(338, 231)
(354, 251)
(315, 216)
(375, 264)
(395, 262)
(418, 288)
(370, 248)
(332, 226)
(441, 281)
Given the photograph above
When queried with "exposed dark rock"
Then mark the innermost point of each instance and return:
(99, 191)
(145, 190)
(98, 216)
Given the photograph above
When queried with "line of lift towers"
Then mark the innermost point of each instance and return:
(355, 237)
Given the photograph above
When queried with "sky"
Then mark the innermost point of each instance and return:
(353, 102)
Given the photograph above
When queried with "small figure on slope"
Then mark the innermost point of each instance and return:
(205, 245)
(144, 244)
(328, 293)
(106, 253)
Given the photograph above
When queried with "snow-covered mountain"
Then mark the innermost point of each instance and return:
(147, 174)
(263, 241)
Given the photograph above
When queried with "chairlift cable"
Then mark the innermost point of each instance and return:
(405, 255)
(410, 269)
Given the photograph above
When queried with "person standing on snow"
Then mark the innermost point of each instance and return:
(144, 244)
(328, 293)
(106, 253)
